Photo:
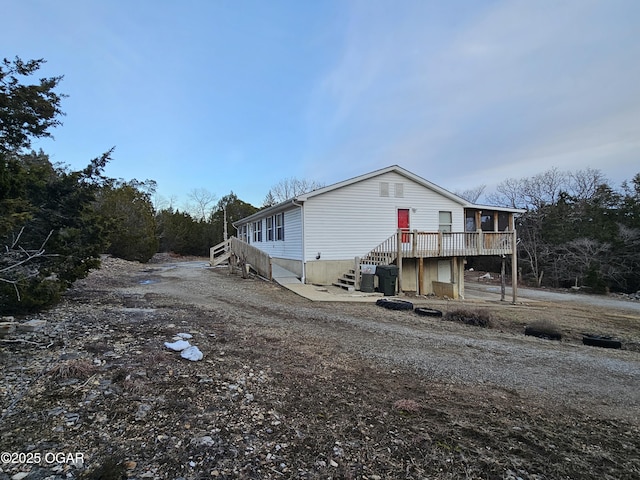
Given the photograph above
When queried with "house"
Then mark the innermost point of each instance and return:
(388, 216)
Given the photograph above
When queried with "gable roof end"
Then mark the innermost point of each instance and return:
(393, 168)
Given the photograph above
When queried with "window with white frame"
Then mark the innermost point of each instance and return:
(270, 229)
(257, 231)
(279, 221)
(445, 222)
(243, 233)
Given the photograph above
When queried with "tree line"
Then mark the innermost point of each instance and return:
(578, 230)
(55, 222)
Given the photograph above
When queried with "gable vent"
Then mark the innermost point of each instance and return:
(399, 191)
(384, 189)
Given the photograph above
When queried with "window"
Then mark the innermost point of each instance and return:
(445, 222)
(243, 233)
(470, 222)
(257, 231)
(384, 189)
(486, 222)
(503, 221)
(399, 190)
(279, 221)
(269, 229)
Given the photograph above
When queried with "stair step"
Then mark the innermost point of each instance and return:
(350, 288)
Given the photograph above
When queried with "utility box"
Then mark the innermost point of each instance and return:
(387, 277)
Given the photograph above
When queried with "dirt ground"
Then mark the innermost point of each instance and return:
(292, 389)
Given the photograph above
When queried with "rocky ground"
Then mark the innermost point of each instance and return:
(292, 389)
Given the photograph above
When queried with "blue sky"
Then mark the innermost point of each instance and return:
(238, 95)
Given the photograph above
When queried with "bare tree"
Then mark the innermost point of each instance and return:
(15, 259)
(508, 194)
(545, 188)
(289, 188)
(584, 184)
(202, 203)
(472, 195)
(161, 202)
(576, 257)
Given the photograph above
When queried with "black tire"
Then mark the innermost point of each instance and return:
(393, 304)
(428, 312)
(534, 332)
(381, 302)
(600, 341)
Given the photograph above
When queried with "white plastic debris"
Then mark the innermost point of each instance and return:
(178, 346)
(184, 336)
(192, 353)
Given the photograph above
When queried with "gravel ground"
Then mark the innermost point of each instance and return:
(293, 389)
(565, 371)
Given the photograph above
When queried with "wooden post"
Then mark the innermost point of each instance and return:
(224, 212)
(399, 261)
(502, 279)
(514, 268)
(455, 279)
(357, 273)
(421, 276)
(232, 260)
(414, 242)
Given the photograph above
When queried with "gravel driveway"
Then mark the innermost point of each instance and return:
(563, 372)
(289, 388)
(478, 290)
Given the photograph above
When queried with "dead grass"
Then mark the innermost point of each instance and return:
(544, 329)
(477, 318)
(407, 405)
(77, 368)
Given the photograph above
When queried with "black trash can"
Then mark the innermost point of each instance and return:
(387, 276)
(366, 283)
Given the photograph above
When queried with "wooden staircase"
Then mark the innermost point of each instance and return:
(347, 281)
(383, 254)
(220, 253)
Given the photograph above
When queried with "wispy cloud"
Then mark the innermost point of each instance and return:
(533, 84)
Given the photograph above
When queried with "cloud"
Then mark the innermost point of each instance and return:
(532, 84)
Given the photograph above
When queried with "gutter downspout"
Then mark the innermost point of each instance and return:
(304, 263)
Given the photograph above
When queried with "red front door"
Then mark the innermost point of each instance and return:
(403, 223)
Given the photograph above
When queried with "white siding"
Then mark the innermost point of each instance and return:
(350, 221)
(291, 247)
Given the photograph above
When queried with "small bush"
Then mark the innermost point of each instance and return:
(81, 369)
(543, 329)
(477, 318)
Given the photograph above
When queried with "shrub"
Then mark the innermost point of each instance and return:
(477, 318)
(543, 329)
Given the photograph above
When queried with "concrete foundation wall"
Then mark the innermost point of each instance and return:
(441, 289)
(325, 272)
(409, 278)
(294, 266)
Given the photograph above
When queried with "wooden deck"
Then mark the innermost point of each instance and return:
(414, 244)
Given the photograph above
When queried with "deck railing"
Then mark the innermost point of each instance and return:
(440, 244)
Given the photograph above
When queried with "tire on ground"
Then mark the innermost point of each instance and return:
(395, 304)
(600, 341)
(428, 312)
